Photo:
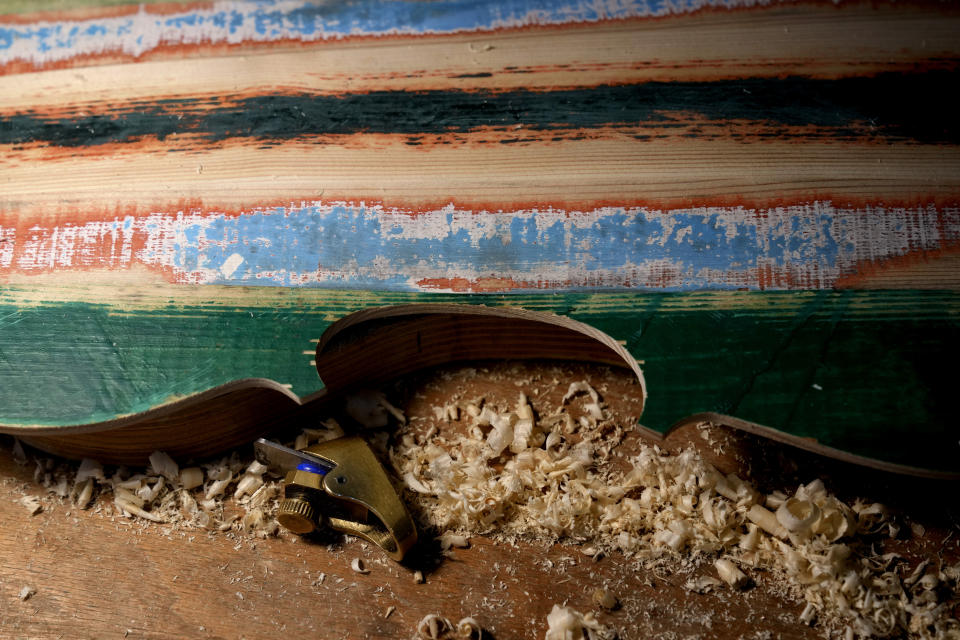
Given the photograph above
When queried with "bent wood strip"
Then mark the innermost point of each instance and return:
(402, 339)
(806, 444)
(203, 425)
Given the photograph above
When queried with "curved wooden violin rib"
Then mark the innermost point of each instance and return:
(378, 345)
(202, 425)
(203, 205)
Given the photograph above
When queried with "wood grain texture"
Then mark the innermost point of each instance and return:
(132, 31)
(405, 339)
(607, 162)
(576, 174)
(204, 424)
(807, 36)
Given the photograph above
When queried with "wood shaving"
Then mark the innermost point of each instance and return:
(469, 629)
(577, 388)
(397, 414)
(564, 623)
(89, 470)
(163, 465)
(220, 478)
(191, 478)
(358, 566)
(84, 493)
(731, 574)
(449, 539)
(702, 584)
(32, 503)
(447, 413)
(432, 626)
(164, 493)
(605, 598)
(247, 485)
(127, 503)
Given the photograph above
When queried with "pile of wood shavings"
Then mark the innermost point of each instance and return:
(219, 496)
(229, 494)
(517, 475)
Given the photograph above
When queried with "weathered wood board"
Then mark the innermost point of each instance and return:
(763, 202)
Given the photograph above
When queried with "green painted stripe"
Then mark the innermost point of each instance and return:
(860, 371)
(864, 109)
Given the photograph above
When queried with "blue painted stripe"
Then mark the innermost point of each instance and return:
(342, 245)
(270, 20)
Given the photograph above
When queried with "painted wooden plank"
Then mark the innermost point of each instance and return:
(358, 157)
(877, 109)
(794, 37)
(574, 174)
(137, 32)
(816, 44)
(359, 246)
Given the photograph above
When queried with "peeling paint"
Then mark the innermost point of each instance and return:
(236, 22)
(354, 245)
